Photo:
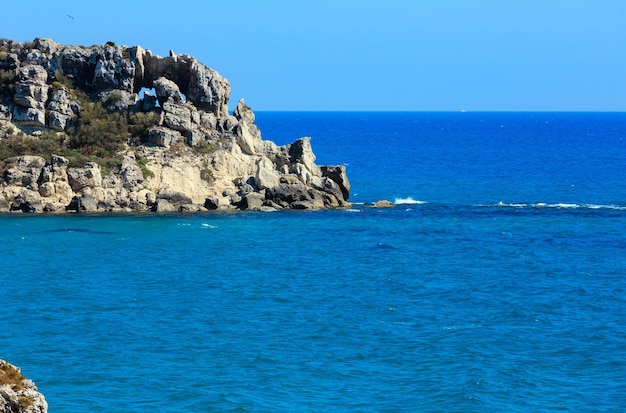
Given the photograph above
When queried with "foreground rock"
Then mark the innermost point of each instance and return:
(17, 393)
(195, 157)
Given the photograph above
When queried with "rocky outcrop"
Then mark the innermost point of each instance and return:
(195, 156)
(383, 203)
(17, 393)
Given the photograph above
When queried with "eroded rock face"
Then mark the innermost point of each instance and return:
(164, 137)
(19, 394)
(31, 94)
(196, 157)
(25, 171)
(166, 89)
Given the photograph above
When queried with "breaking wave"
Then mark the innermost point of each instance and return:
(408, 201)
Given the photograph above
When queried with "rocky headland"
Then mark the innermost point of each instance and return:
(111, 128)
(17, 393)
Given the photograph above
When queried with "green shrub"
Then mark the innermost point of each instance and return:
(146, 173)
(75, 158)
(114, 98)
(61, 79)
(207, 175)
(205, 147)
(45, 146)
(139, 123)
(7, 83)
(96, 131)
(112, 164)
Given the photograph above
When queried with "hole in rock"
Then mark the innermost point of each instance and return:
(152, 92)
(143, 91)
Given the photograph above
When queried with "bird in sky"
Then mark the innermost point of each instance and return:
(70, 16)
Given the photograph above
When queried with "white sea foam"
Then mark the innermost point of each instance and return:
(408, 201)
(562, 205)
(558, 205)
(502, 204)
(596, 206)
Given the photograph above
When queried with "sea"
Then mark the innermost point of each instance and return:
(496, 283)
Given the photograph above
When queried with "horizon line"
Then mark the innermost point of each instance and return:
(437, 111)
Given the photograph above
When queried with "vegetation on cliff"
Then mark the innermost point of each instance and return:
(99, 131)
(95, 134)
(10, 375)
(115, 128)
(17, 393)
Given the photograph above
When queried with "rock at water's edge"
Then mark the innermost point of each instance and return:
(192, 146)
(17, 393)
(382, 204)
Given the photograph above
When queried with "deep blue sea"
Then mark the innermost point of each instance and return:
(496, 284)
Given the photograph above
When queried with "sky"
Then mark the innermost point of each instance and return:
(367, 55)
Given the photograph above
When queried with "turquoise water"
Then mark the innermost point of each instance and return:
(496, 283)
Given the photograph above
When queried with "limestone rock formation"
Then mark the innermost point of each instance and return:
(17, 393)
(182, 151)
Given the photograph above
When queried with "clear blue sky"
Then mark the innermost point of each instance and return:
(422, 55)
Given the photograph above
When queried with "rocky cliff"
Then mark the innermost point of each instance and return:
(115, 128)
(17, 393)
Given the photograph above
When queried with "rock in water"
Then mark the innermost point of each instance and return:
(179, 139)
(383, 203)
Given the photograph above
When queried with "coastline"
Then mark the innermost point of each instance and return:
(76, 136)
